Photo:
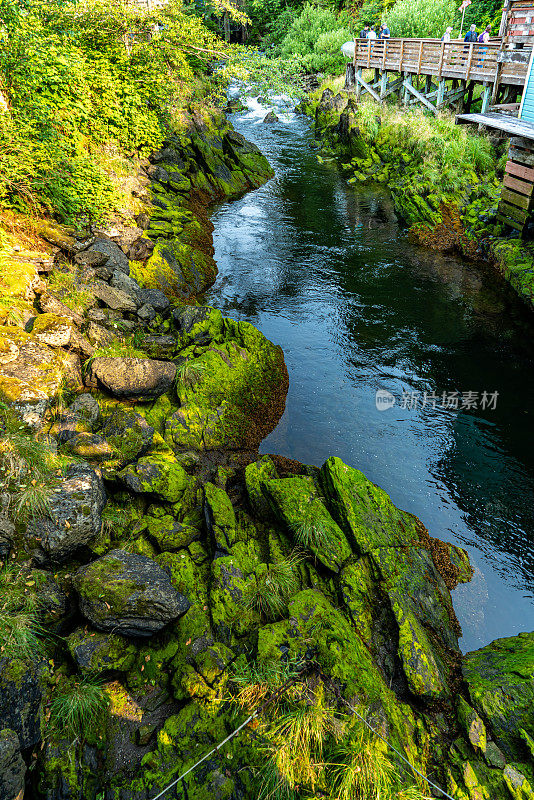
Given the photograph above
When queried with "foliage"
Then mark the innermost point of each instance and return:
(420, 18)
(28, 468)
(21, 634)
(66, 288)
(316, 37)
(311, 534)
(80, 710)
(189, 373)
(83, 79)
(272, 586)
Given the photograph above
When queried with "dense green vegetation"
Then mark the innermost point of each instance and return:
(86, 85)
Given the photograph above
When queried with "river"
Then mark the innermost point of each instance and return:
(325, 270)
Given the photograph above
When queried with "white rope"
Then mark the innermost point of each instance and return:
(258, 710)
(215, 750)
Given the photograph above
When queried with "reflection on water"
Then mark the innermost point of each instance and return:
(324, 270)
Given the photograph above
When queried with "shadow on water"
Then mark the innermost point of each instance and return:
(325, 270)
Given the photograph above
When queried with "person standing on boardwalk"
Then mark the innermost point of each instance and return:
(447, 35)
(384, 32)
(364, 33)
(471, 35)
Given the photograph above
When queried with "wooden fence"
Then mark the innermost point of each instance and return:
(456, 59)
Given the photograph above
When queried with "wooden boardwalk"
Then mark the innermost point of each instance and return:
(464, 64)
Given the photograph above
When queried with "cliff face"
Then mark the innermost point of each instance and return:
(162, 580)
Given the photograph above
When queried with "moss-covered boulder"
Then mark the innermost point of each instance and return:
(12, 766)
(296, 504)
(74, 517)
(128, 594)
(159, 474)
(130, 436)
(232, 393)
(96, 652)
(21, 691)
(500, 678)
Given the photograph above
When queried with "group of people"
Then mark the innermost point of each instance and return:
(369, 32)
(471, 36)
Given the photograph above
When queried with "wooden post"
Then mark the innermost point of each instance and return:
(358, 84)
(401, 54)
(486, 97)
(428, 84)
(469, 98)
(420, 57)
(441, 94)
(441, 57)
(469, 60)
(384, 57)
(383, 84)
(406, 93)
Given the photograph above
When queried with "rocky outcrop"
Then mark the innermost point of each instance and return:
(21, 691)
(74, 517)
(128, 594)
(12, 767)
(134, 378)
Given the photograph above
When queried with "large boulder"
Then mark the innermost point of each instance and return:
(130, 436)
(74, 518)
(115, 257)
(158, 474)
(500, 678)
(20, 700)
(96, 652)
(128, 594)
(31, 373)
(134, 378)
(12, 767)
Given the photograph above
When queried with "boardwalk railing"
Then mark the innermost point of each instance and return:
(456, 59)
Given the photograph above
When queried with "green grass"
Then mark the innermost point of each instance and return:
(64, 286)
(312, 535)
(273, 586)
(190, 373)
(21, 634)
(80, 710)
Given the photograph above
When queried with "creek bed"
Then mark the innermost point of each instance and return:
(326, 271)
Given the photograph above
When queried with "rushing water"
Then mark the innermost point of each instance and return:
(326, 271)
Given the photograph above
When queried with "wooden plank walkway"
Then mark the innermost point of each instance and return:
(456, 60)
(500, 122)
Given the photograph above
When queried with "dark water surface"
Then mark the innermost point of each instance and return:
(325, 270)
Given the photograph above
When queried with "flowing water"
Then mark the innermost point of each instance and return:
(326, 271)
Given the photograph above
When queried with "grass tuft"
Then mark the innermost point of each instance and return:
(80, 710)
(190, 373)
(273, 586)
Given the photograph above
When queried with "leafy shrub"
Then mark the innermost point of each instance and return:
(316, 37)
(420, 18)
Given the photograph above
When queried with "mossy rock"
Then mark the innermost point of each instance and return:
(160, 475)
(220, 517)
(96, 652)
(296, 504)
(500, 678)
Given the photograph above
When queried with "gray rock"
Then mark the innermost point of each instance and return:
(142, 248)
(53, 602)
(155, 298)
(116, 258)
(134, 378)
(86, 407)
(20, 699)
(104, 273)
(98, 335)
(96, 652)
(12, 767)
(91, 258)
(270, 118)
(69, 425)
(128, 594)
(163, 347)
(127, 285)
(114, 298)
(75, 516)
(89, 446)
(51, 305)
(146, 313)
